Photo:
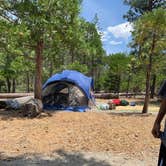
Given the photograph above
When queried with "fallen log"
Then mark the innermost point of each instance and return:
(106, 96)
(27, 106)
(14, 95)
(132, 94)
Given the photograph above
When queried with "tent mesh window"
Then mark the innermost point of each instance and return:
(64, 94)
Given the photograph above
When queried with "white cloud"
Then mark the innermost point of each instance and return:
(112, 42)
(121, 31)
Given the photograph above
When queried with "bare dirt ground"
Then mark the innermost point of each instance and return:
(79, 139)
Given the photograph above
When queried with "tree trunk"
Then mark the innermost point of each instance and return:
(150, 5)
(153, 86)
(148, 75)
(128, 85)
(51, 68)
(28, 83)
(8, 83)
(38, 73)
(146, 101)
(84, 59)
(118, 84)
(13, 85)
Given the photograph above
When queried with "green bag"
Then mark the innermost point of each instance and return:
(124, 103)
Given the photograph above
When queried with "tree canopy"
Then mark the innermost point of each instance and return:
(49, 33)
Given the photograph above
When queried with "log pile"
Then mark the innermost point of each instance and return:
(106, 96)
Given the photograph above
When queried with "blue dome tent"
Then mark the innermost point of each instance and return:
(68, 90)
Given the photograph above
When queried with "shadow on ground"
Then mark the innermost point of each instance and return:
(10, 114)
(130, 114)
(61, 158)
(152, 102)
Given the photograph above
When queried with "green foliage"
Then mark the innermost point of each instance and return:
(148, 44)
(77, 66)
(68, 40)
(150, 31)
(139, 7)
(116, 72)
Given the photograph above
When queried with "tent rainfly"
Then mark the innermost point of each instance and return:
(68, 90)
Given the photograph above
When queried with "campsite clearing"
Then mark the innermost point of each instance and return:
(124, 136)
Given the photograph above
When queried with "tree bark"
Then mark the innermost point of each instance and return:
(128, 85)
(13, 85)
(51, 68)
(150, 5)
(28, 83)
(84, 59)
(8, 83)
(146, 101)
(118, 84)
(153, 86)
(148, 75)
(38, 74)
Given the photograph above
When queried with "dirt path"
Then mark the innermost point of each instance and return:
(68, 138)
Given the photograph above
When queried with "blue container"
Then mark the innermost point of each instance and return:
(132, 103)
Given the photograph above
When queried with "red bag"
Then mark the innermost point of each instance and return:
(116, 101)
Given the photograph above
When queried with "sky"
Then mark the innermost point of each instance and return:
(116, 30)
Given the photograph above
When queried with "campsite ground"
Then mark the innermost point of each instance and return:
(99, 138)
